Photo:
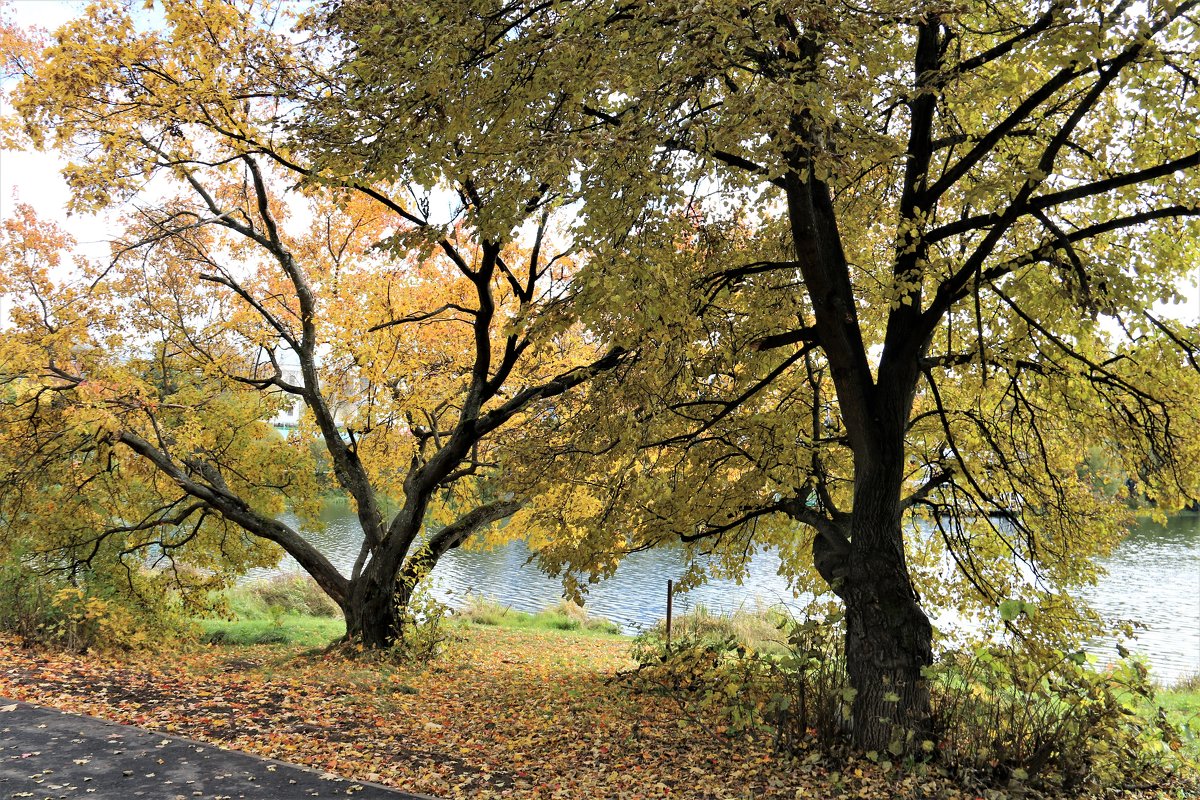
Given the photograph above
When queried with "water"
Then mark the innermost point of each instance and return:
(634, 598)
(1153, 578)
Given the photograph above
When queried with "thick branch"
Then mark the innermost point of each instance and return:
(237, 511)
(451, 536)
(1082, 192)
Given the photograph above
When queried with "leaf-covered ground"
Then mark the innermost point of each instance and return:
(503, 713)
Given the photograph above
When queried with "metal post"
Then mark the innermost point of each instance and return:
(670, 596)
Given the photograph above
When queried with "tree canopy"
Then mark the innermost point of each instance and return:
(881, 261)
(243, 282)
(839, 267)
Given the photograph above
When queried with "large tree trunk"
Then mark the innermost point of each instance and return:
(378, 599)
(373, 612)
(888, 635)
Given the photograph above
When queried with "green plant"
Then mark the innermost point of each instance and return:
(789, 682)
(814, 693)
(85, 614)
(1007, 716)
(26, 608)
(84, 620)
(423, 632)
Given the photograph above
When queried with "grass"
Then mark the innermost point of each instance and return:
(565, 616)
(284, 610)
(280, 596)
(290, 629)
(756, 628)
(1181, 701)
(292, 610)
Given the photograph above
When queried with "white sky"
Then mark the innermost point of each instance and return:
(33, 178)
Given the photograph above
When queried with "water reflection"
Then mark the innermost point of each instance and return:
(1153, 577)
(634, 598)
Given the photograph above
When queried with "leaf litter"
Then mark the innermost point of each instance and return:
(501, 714)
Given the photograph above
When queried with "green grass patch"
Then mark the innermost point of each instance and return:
(291, 629)
(565, 616)
(292, 610)
(285, 610)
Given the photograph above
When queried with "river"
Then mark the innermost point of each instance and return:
(1153, 578)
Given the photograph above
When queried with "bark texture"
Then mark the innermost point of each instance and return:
(888, 635)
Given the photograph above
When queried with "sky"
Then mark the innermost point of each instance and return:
(33, 178)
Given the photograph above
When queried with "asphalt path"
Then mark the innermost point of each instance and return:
(48, 754)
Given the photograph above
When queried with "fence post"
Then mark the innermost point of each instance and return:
(670, 596)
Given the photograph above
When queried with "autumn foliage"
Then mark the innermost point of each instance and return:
(876, 286)
(253, 282)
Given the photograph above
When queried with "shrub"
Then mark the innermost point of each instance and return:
(85, 621)
(1005, 716)
(50, 610)
(423, 632)
(26, 603)
(793, 683)
(1001, 717)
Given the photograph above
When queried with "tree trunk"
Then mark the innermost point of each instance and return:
(372, 612)
(888, 635)
(378, 599)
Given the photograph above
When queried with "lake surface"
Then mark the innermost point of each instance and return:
(1153, 578)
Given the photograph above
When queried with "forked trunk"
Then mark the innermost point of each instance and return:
(372, 613)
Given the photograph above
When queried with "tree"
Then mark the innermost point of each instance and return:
(878, 260)
(248, 278)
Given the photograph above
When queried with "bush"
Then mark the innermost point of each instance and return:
(281, 595)
(1001, 717)
(50, 610)
(1004, 716)
(767, 673)
(423, 632)
(26, 604)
